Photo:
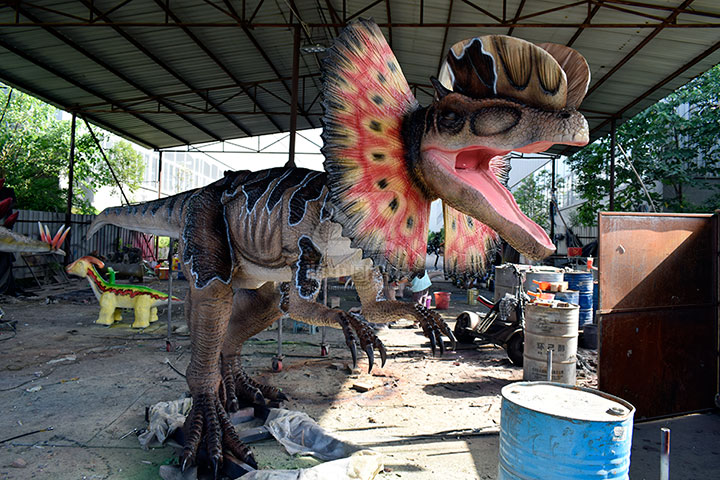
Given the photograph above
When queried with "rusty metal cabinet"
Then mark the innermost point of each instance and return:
(659, 310)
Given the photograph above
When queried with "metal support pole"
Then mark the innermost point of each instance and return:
(323, 345)
(71, 175)
(168, 343)
(549, 364)
(664, 454)
(294, 95)
(612, 165)
(552, 201)
(159, 177)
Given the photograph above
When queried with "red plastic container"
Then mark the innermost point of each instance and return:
(442, 300)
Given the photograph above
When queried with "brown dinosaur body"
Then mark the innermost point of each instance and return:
(256, 245)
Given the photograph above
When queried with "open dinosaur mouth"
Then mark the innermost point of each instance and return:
(475, 167)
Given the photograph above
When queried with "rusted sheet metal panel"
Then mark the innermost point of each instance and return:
(658, 299)
(655, 260)
(663, 361)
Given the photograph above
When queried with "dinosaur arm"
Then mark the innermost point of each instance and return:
(376, 309)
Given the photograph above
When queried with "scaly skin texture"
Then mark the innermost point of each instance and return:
(255, 245)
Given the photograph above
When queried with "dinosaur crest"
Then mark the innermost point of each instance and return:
(366, 98)
(546, 76)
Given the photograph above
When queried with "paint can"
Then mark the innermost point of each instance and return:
(551, 328)
(472, 294)
(582, 282)
(548, 430)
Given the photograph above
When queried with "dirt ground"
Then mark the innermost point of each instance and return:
(429, 416)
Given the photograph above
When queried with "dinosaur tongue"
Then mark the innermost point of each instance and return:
(473, 166)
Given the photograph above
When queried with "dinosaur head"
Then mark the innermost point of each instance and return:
(81, 266)
(499, 94)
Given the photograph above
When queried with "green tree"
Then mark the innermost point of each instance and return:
(673, 143)
(34, 155)
(533, 197)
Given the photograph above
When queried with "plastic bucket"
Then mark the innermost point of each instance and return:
(557, 431)
(551, 328)
(582, 282)
(442, 300)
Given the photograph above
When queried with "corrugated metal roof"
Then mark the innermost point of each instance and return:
(165, 74)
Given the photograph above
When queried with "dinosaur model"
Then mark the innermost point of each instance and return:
(387, 158)
(17, 243)
(114, 297)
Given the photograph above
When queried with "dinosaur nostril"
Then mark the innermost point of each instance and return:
(565, 115)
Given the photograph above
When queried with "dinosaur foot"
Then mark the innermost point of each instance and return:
(238, 388)
(208, 426)
(355, 328)
(434, 327)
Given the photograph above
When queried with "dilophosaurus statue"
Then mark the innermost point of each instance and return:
(387, 158)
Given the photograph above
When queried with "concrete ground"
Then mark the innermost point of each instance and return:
(429, 416)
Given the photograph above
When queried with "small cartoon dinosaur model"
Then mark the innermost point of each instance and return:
(387, 159)
(113, 297)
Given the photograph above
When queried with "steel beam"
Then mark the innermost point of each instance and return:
(669, 20)
(129, 38)
(77, 84)
(233, 14)
(293, 104)
(70, 43)
(590, 15)
(517, 15)
(612, 165)
(71, 179)
(445, 35)
(214, 58)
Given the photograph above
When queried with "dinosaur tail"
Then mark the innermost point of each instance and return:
(157, 217)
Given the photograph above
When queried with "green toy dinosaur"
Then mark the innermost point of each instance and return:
(387, 158)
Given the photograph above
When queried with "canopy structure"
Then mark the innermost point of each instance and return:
(165, 73)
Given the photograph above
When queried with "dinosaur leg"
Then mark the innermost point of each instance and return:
(208, 424)
(153, 315)
(377, 310)
(107, 310)
(142, 313)
(253, 311)
(117, 315)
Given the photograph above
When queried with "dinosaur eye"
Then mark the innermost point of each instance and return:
(450, 120)
(494, 120)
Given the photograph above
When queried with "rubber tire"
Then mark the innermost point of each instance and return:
(514, 349)
(461, 333)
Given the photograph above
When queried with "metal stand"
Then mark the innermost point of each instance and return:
(664, 454)
(168, 342)
(324, 347)
(277, 360)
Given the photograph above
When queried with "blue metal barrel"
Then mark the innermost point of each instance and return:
(583, 282)
(569, 296)
(549, 430)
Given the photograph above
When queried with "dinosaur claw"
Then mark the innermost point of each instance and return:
(185, 464)
(383, 355)
(371, 357)
(250, 460)
(216, 468)
(453, 342)
(353, 352)
(282, 397)
(432, 342)
(440, 342)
